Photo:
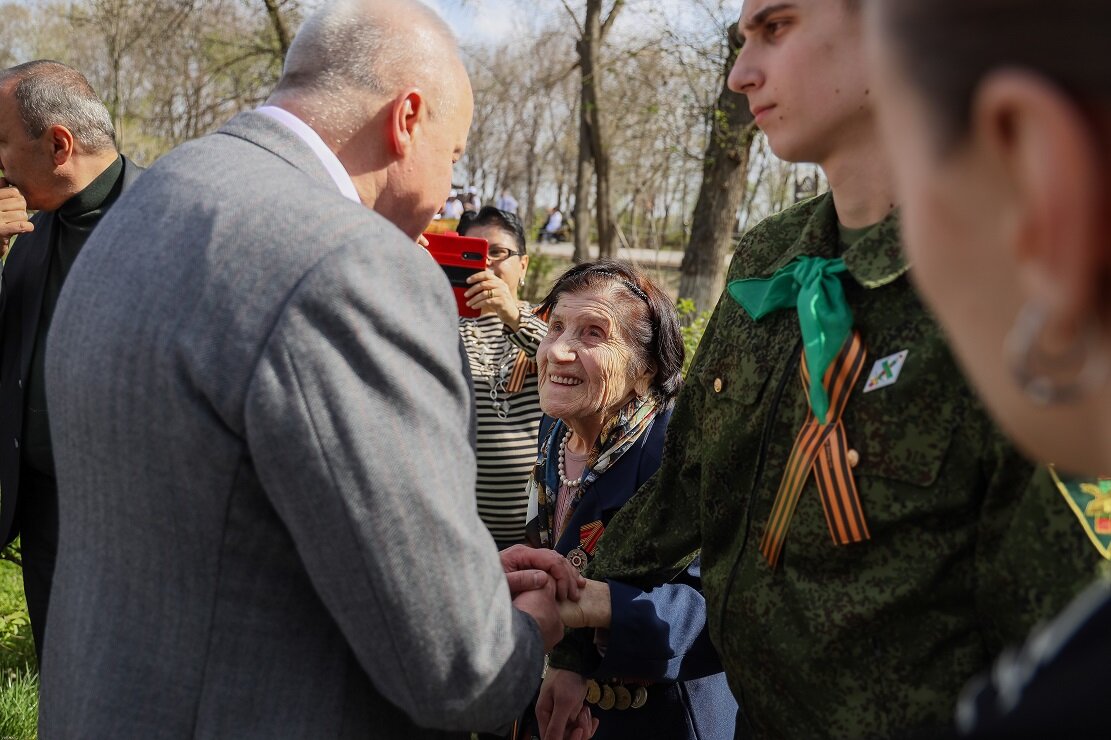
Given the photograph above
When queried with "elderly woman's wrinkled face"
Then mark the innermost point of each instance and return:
(586, 363)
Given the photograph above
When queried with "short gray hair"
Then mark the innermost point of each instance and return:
(363, 45)
(50, 93)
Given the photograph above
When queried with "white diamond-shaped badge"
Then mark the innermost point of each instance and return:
(886, 371)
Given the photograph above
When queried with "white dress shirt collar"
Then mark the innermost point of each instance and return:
(326, 156)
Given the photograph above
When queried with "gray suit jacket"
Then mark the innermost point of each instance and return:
(260, 418)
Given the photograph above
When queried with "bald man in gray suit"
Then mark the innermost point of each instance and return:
(261, 418)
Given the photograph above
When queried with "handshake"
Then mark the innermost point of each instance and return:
(548, 588)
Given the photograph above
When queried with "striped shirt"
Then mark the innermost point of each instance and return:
(506, 434)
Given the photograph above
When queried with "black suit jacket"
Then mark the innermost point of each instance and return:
(21, 293)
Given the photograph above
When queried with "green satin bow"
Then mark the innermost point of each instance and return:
(812, 286)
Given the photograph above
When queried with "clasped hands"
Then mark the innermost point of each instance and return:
(561, 709)
(546, 586)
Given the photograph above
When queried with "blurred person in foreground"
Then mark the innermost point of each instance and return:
(869, 539)
(501, 349)
(1001, 135)
(58, 156)
(610, 369)
(261, 416)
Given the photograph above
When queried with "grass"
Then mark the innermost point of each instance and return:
(19, 704)
(19, 677)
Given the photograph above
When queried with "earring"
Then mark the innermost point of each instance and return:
(521, 282)
(1039, 372)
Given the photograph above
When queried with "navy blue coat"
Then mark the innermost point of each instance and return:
(658, 635)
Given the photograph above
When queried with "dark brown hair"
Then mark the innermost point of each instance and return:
(654, 331)
(947, 47)
(504, 220)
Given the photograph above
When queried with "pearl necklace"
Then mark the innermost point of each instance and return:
(571, 484)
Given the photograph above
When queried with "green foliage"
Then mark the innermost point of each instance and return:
(13, 553)
(17, 647)
(693, 326)
(543, 269)
(18, 673)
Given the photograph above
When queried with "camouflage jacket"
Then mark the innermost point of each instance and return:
(970, 546)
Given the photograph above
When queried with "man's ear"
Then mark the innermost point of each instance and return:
(407, 112)
(1054, 165)
(61, 143)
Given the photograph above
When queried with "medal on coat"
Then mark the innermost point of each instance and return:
(623, 698)
(589, 534)
(609, 699)
(1091, 502)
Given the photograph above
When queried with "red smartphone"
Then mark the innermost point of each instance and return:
(461, 257)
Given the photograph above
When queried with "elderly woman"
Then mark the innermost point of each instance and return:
(501, 346)
(609, 370)
(998, 117)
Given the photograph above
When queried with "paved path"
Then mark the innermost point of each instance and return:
(663, 258)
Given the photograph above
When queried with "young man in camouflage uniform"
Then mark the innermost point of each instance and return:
(858, 571)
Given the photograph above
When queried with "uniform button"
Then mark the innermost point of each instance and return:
(20, 383)
(16, 443)
(854, 458)
(718, 385)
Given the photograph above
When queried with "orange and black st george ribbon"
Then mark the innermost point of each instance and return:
(822, 449)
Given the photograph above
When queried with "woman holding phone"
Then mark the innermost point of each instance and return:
(501, 347)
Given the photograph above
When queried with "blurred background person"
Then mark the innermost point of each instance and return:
(506, 202)
(610, 368)
(501, 346)
(1000, 137)
(471, 202)
(552, 227)
(453, 207)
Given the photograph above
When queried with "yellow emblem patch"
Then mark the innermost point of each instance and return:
(1091, 502)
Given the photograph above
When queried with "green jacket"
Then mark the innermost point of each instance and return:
(970, 547)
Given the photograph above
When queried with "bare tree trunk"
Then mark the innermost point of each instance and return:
(114, 96)
(607, 246)
(724, 178)
(281, 29)
(593, 137)
(532, 173)
(593, 147)
(582, 202)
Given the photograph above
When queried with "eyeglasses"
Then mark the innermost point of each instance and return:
(497, 254)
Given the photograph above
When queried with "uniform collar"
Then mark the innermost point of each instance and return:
(874, 261)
